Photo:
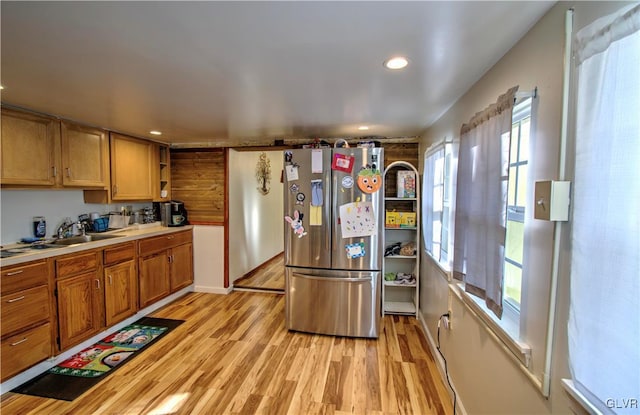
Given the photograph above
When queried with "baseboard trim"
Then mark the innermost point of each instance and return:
(212, 290)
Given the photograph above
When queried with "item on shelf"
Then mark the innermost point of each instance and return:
(407, 219)
(406, 185)
(406, 279)
(392, 219)
(393, 249)
(389, 276)
(408, 249)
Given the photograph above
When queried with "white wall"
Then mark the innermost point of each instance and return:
(255, 220)
(18, 207)
(485, 375)
(208, 259)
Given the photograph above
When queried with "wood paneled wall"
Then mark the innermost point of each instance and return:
(198, 179)
(398, 152)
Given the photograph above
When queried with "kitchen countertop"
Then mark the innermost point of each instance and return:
(130, 233)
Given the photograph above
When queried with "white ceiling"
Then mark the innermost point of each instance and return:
(215, 73)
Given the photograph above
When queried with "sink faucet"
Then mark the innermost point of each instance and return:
(65, 226)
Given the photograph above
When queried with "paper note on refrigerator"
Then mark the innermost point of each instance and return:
(316, 161)
(357, 219)
(292, 172)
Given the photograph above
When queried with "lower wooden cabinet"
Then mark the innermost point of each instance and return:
(165, 265)
(90, 290)
(80, 308)
(23, 350)
(181, 265)
(26, 317)
(120, 283)
(154, 278)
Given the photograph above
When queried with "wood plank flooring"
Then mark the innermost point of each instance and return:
(269, 276)
(233, 355)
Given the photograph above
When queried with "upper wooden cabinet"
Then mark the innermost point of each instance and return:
(85, 156)
(38, 150)
(132, 168)
(28, 146)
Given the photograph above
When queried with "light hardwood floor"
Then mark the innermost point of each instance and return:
(268, 276)
(233, 355)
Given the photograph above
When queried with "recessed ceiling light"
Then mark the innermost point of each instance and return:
(363, 128)
(1, 87)
(397, 62)
(154, 132)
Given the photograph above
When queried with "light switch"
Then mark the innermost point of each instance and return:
(551, 200)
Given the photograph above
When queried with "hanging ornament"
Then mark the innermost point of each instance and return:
(263, 173)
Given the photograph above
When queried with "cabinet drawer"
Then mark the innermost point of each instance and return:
(24, 350)
(24, 308)
(119, 253)
(76, 263)
(159, 243)
(24, 276)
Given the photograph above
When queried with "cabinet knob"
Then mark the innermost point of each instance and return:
(68, 172)
(97, 284)
(110, 279)
(54, 171)
(15, 272)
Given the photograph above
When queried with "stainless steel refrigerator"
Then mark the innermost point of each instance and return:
(333, 202)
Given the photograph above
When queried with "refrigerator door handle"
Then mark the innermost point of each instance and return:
(313, 277)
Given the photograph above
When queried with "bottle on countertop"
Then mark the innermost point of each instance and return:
(39, 227)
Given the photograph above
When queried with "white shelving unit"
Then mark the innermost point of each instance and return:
(400, 297)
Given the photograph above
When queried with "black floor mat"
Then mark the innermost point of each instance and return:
(68, 388)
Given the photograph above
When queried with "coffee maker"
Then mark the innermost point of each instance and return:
(173, 213)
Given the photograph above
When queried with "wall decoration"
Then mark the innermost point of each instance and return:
(263, 173)
(357, 219)
(369, 179)
(296, 223)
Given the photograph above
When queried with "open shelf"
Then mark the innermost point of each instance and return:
(400, 307)
(398, 298)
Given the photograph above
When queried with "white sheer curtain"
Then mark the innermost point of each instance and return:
(428, 200)
(604, 319)
(481, 201)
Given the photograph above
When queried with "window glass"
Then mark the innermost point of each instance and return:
(516, 202)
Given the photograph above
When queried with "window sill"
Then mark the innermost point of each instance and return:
(506, 331)
(578, 397)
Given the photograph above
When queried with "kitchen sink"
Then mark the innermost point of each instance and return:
(74, 240)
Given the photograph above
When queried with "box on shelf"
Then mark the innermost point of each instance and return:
(406, 184)
(407, 219)
(392, 219)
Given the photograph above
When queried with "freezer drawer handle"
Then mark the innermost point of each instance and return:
(313, 277)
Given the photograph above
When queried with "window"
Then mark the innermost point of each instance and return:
(604, 314)
(516, 201)
(436, 208)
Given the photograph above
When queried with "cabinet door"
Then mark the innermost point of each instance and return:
(120, 292)
(131, 168)
(28, 145)
(181, 266)
(85, 156)
(80, 301)
(154, 278)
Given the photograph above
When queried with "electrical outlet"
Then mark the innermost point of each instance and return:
(446, 321)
